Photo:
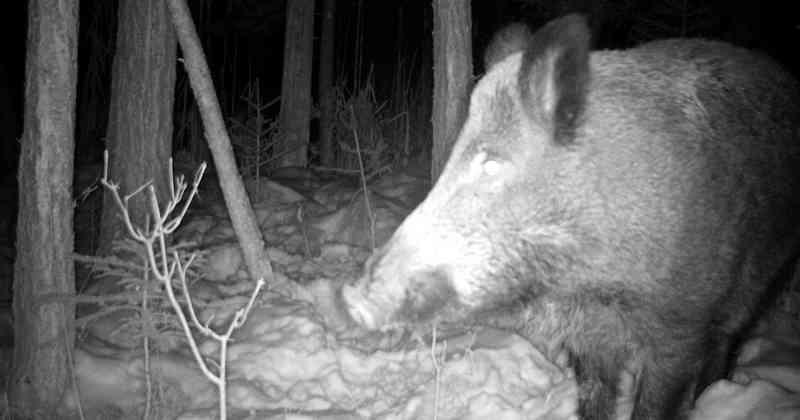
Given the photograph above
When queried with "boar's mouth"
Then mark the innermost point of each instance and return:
(428, 295)
(365, 312)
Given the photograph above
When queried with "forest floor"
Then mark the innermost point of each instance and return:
(297, 357)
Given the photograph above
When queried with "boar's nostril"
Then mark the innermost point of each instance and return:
(430, 292)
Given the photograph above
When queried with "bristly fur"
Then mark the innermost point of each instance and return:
(634, 210)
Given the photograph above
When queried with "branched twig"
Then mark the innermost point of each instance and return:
(164, 268)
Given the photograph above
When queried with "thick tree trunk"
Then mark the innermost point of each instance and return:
(44, 327)
(139, 137)
(327, 63)
(452, 75)
(296, 84)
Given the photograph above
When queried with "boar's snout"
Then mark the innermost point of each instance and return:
(367, 301)
(398, 287)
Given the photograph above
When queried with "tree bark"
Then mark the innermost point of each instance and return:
(242, 216)
(139, 136)
(452, 75)
(327, 63)
(298, 52)
(43, 326)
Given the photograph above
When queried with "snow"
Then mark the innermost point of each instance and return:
(286, 358)
(297, 357)
(766, 381)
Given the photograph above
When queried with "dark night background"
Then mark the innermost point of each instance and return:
(377, 42)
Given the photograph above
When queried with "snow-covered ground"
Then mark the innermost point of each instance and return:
(298, 358)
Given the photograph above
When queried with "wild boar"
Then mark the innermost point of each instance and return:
(633, 207)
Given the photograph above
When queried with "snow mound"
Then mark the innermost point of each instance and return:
(286, 359)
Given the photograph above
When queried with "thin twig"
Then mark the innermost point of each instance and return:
(148, 385)
(370, 216)
(71, 362)
(154, 240)
(437, 368)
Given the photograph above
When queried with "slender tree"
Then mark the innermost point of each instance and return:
(139, 136)
(44, 323)
(452, 75)
(298, 52)
(327, 64)
(242, 216)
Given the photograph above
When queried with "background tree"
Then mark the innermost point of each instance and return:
(44, 327)
(139, 136)
(327, 46)
(452, 75)
(296, 83)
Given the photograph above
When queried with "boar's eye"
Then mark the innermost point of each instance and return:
(491, 166)
(487, 163)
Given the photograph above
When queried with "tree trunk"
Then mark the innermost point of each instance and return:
(296, 89)
(327, 63)
(139, 136)
(44, 327)
(452, 75)
(241, 212)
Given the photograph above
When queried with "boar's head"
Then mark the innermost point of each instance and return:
(497, 226)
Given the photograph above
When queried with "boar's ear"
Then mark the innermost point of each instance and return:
(554, 76)
(509, 40)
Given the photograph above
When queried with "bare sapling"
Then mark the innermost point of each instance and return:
(165, 267)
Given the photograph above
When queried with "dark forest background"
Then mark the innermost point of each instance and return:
(379, 44)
